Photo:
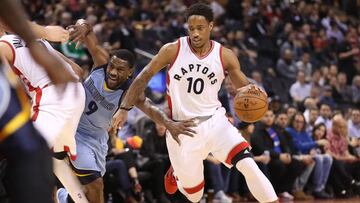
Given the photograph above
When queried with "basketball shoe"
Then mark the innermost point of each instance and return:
(170, 181)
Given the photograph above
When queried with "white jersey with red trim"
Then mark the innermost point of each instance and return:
(193, 82)
(30, 72)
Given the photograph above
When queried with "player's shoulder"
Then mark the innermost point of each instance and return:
(99, 69)
(171, 47)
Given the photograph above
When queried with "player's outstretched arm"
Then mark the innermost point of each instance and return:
(159, 116)
(82, 33)
(10, 12)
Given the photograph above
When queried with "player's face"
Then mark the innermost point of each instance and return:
(199, 30)
(117, 72)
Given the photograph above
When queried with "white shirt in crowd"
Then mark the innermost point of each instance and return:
(300, 91)
(354, 130)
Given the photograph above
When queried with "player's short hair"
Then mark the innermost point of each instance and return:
(200, 9)
(125, 55)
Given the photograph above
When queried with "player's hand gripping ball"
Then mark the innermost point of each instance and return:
(250, 103)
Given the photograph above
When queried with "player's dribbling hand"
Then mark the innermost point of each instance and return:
(119, 119)
(55, 69)
(177, 128)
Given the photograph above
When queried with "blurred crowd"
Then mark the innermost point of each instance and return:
(304, 54)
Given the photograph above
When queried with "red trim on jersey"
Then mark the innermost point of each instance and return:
(195, 189)
(23, 78)
(193, 51)
(168, 95)
(221, 59)
(169, 104)
(238, 148)
(38, 92)
(12, 49)
(177, 54)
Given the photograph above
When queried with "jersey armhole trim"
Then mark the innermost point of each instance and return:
(221, 58)
(177, 53)
(12, 49)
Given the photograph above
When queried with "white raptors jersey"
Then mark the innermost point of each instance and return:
(193, 82)
(29, 71)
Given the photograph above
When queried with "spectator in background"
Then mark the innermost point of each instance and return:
(354, 130)
(309, 103)
(257, 77)
(286, 68)
(307, 147)
(291, 111)
(281, 123)
(348, 164)
(355, 88)
(313, 115)
(342, 91)
(346, 55)
(315, 94)
(275, 104)
(281, 166)
(317, 79)
(333, 32)
(300, 89)
(305, 65)
(325, 116)
(327, 97)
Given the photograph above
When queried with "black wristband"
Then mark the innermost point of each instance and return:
(125, 108)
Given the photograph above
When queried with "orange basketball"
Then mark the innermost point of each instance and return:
(250, 104)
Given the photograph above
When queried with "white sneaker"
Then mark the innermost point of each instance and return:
(286, 196)
(221, 197)
(61, 195)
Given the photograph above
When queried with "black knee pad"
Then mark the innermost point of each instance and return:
(241, 155)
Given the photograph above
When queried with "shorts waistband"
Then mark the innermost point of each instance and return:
(199, 119)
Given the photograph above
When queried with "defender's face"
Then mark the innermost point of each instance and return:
(117, 72)
(199, 30)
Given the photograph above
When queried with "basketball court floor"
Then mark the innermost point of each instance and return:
(351, 200)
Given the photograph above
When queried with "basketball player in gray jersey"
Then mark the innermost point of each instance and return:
(106, 84)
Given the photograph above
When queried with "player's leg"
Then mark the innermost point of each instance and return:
(89, 167)
(29, 175)
(186, 172)
(228, 146)
(57, 120)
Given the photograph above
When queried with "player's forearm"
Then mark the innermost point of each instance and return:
(98, 54)
(10, 12)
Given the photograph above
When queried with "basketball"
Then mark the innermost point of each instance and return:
(250, 104)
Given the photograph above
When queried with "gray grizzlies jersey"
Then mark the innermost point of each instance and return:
(100, 105)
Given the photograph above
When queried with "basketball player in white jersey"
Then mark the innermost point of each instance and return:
(54, 115)
(195, 73)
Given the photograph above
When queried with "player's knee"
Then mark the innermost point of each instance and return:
(245, 153)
